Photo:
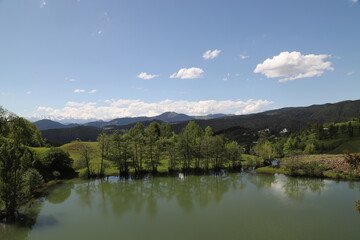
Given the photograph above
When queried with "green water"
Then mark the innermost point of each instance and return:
(234, 206)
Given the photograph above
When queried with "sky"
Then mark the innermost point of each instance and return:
(102, 59)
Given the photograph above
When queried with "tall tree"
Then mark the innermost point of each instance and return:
(152, 134)
(86, 155)
(12, 186)
(233, 152)
(136, 134)
(104, 142)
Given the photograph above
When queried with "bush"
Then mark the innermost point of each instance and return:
(297, 167)
(353, 160)
(56, 160)
(33, 180)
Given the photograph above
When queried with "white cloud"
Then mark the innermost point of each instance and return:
(188, 73)
(93, 91)
(350, 73)
(211, 54)
(79, 90)
(45, 109)
(28, 92)
(70, 79)
(112, 108)
(43, 3)
(99, 32)
(146, 76)
(294, 65)
(354, 1)
(242, 56)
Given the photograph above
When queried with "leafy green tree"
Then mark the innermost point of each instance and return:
(233, 152)
(218, 154)
(13, 192)
(56, 160)
(265, 151)
(310, 148)
(86, 156)
(207, 144)
(136, 134)
(169, 147)
(119, 152)
(24, 132)
(152, 135)
(188, 144)
(165, 130)
(104, 143)
(33, 180)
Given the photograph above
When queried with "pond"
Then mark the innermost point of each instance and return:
(231, 206)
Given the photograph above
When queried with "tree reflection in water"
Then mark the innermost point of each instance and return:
(144, 195)
(30, 216)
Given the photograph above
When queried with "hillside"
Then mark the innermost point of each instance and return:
(171, 117)
(46, 124)
(293, 119)
(66, 135)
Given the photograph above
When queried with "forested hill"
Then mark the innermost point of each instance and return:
(293, 118)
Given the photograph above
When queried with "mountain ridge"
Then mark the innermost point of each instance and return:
(292, 118)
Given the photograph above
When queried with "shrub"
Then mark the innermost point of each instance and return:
(353, 160)
(33, 180)
(56, 160)
(297, 167)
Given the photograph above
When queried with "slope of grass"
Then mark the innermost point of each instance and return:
(40, 151)
(74, 149)
(352, 146)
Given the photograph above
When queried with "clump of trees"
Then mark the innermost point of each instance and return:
(22, 172)
(144, 149)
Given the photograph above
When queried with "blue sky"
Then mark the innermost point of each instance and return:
(101, 59)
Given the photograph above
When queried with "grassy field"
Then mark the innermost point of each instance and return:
(334, 162)
(40, 151)
(74, 149)
(352, 146)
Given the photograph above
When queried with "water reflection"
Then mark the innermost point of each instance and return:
(20, 230)
(120, 196)
(30, 218)
(116, 197)
(294, 188)
(144, 195)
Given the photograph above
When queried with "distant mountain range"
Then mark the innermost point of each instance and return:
(171, 117)
(236, 127)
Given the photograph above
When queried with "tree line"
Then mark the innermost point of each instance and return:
(144, 149)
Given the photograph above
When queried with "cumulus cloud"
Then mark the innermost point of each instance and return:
(294, 65)
(210, 54)
(188, 73)
(93, 91)
(146, 76)
(79, 90)
(112, 108)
